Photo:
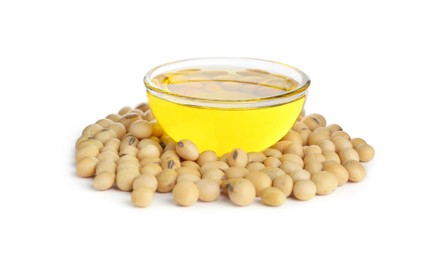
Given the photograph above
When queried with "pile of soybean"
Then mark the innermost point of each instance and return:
(129, 151)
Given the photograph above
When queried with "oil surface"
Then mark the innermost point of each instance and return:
(223, 129)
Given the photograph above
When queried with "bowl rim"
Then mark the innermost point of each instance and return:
(274, 100)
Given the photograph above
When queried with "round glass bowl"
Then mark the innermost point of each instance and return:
(225, 103)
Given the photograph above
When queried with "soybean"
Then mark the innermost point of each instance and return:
(187, 150)
(271, 196)
(241, 191)
(185, 193)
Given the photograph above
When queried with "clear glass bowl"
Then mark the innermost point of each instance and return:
(221, 125)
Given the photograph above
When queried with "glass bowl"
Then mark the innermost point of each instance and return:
(221, 122)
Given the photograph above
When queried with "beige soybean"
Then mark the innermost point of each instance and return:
(365, 152)
(91, 130)
(299, 126)
(142, 197)
(128, 151)
(289, 166)
(166, 180)
(356, 172)
(170, 146)
(292, 158)
(129, 159)
(294, 148)
(272, 162)
(209, 190)
(312, 149)
(145, 142)
(317, 137)
(80, 140)
(105, 166)
(128, 140)
(105, 122)
(185, 193)
(293, 136)
(155, 138)
(187, 177)
(124, 110)
(357, 141)
(223, 157)
(304, 190)
(118, 129)
(331, 156)
(216, 175)
(113, 143)
(148, 115)
(143, 106)
(214, 165)
(108, 156)
(256, 157)
(104, 181)
(322, 130)
(141, 129)
(334, 128)
(169, 154)
(104, 135)
(272, 196)
(313, 167)
(260, 180)
(187, 150)
(125, 178)
(109, 149)
(255, 166)
(272, 172)
(341, 143)
(189, 170)
(87, 151)
(86, 166)
(113, 117)
(326, 145)
(206, 156)
(348, 154)
(241, 191)
(148, 151)
(191, 164)
(272, 152)
(284, 183)
(128, 119)
(312, 122)
(125, 166)
(149, 160)
(281, 145)
(144, 180)
(151, 169)
(137, 111)
(171, 162)
(304, 133)
(90, 142)
(326, 182)
(237, 158)
(340, 134)
(313, 157)
(235, 172)
(300, 174)
(320, 118)
(338, 170)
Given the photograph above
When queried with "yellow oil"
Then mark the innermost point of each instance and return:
(223, 129)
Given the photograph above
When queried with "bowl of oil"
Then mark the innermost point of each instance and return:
(225, 103)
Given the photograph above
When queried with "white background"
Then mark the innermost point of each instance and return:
(375, 68)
